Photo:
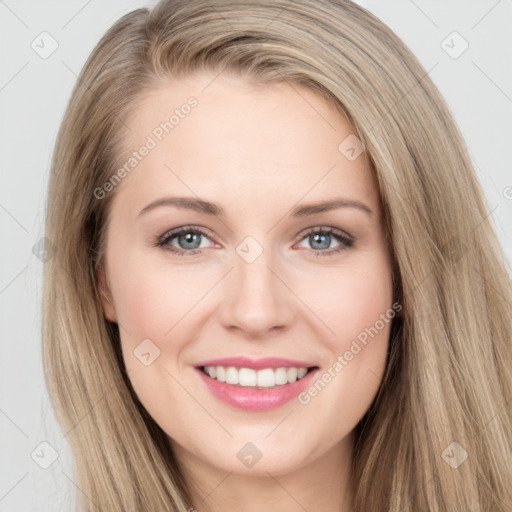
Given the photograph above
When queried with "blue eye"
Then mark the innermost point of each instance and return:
(188, 241)
(321, 238)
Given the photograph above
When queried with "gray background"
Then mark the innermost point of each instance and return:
(33, 94)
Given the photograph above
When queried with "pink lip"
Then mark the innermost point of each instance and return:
(253, 398)
(256, 364)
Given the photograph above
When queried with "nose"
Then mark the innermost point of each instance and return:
(257, 300)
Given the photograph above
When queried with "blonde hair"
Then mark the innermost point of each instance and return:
(448, 371)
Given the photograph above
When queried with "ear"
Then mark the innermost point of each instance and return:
(106, 295)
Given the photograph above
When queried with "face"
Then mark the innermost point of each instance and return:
(285, 305)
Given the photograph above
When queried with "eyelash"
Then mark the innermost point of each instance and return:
(346, 242)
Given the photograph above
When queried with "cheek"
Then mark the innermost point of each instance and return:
(353, 301)
(156, 302)
(152, 298)
(357, 306)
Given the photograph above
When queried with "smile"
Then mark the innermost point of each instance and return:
(256, 385)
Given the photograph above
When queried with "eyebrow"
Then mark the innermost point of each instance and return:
(305, 210)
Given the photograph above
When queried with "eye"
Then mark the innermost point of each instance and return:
(320, 240)
(188, 240)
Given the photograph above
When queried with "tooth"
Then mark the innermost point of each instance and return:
(247, 377)
(221, 374)
(291, 374)
(280, 376)
(232, 375)
(301, 372)
(266, 378)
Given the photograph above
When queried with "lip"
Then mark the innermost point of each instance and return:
(256, 399)
(256, 364)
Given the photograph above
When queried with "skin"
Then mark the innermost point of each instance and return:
(256, 151)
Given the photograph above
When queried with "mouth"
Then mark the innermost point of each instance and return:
(256, 385)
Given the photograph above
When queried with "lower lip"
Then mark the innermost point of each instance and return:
(253, 398)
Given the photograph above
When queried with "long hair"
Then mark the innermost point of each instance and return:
(447, 389)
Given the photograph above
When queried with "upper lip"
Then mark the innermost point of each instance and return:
(256, 364)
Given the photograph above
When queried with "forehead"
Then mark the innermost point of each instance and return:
(226, 137)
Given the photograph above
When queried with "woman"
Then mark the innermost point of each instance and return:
(260, 369)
